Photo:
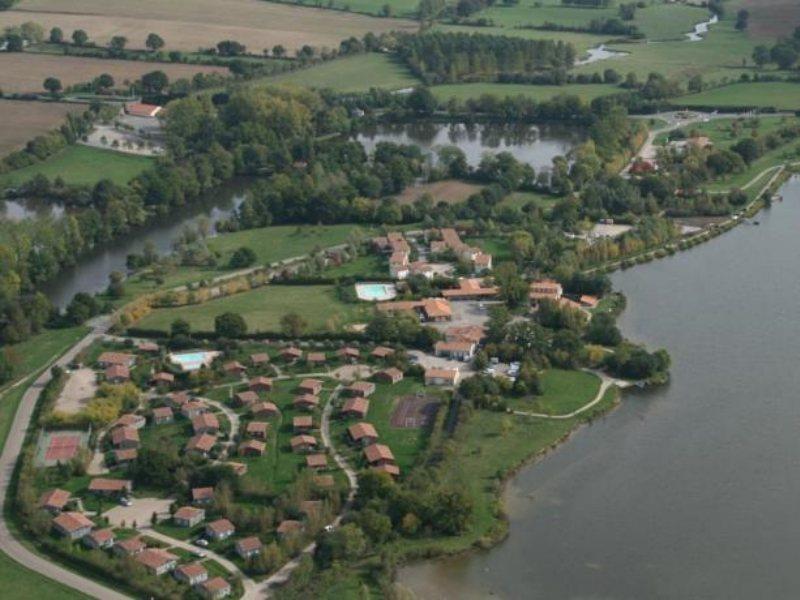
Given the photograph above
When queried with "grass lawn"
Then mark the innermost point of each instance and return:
(352, 74)
(564, 391)
(273, 244)
(522, 199)
(82, 165)
(371, 265)
(486, 447)
(179, 533)
(539, 93)
(29, 356)
(263, 308)
(781, 95)
(498, 247)
(20, 583)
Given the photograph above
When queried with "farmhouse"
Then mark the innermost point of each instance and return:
(220, 529)
(391, 469)
(245, 398)
(157, 561)
(455, 350)
(72, 525)
(442, 376)
(192, 574)
(205, 423)
(252, 448)
(260, 384)
(107, 359)
(248, 547)
(398, 265)
(545, 289)
(110, 487)
(288, 527)
(54, 500)
(355, 407)
(305, 402)
(188, 516)
(390, 375)
(361, 389)
(129, 547)
(378, 454)
(214, 589)
(117, 374)
(363, 433)
(162, 415)
(99, 539)
(588, 301)
(302, 423)
(382, 352)
(257, 429)
(202, 443)
(291, 354)
(310, 386)
(125, 437)
(303, 443)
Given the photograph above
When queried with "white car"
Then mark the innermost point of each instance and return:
(203, 543)
(200, 553)
(329, 528)
(125, 501)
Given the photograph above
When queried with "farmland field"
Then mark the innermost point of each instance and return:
(779, 94)
(23, 121)
(399, 8)
(352, 74)
(263, 308)
(539, 93)
(192, 24)
(25, 72)
(770, 19)
(450, 191)
(81, 164)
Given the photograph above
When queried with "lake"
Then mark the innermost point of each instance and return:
(686, 491)
(533, 144)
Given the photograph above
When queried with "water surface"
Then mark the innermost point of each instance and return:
(688, 491)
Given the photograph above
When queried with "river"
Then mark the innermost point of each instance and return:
(536, 145)
(686, 491)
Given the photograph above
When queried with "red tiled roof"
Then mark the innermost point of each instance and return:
(72, 521)
(378, 452)
(55, 498)
(362, 430)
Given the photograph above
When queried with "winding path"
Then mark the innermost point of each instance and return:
(605, 383)
(8, 460)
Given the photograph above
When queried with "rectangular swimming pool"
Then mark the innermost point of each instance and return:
(375, 292)
(192, 361)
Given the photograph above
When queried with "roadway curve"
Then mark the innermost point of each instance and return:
(8, 460)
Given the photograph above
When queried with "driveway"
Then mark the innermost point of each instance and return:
(140, 511)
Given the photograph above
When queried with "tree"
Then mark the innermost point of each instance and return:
(784, 55)
(14, 42)
(761, 55)
(230, 48)
(52, 85)
(230, 325)
(278, 51)
(79, 37)
(116, 285)
(741, 19)
(56, 35)
(154, 42)
(428, 10)
(695, 84)
(422, 101)
(154, 82)
(180, 327)
(242, 257)
(103, 82)
(345, 543)
(293, 324)
(117, 43)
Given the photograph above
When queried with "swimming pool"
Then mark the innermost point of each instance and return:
(375, 292)
(192, 361)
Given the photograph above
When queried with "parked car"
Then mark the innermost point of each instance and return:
(203, 543)
(124, 501)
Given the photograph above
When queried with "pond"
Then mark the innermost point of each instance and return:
(685, 491)
(533, 144)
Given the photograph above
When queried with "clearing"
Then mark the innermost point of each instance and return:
(22, 72)
(23, 121)
(449, 191)
(192, 24)
(263, 308)
(81, 165)
(352, 74)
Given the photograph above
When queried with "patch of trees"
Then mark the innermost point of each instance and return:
(459, 57)
(633, 362)
(608, 26)
(784, 54)
(587, 3)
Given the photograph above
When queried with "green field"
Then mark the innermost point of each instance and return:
(781, 95)
(399, 8)
(564, 392)
(82, 165)
(263, 308)
(538, 93)
(20, 583)
(522, 199)
(29, 356)
(352, 74)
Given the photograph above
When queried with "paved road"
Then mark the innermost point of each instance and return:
(8, 544)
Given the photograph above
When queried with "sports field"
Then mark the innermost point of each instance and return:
(352, 74)
(539, 93)
(81, 165)
(23, 121)
(192, 24)
(263, 308)
(781, 95)
(25, 71)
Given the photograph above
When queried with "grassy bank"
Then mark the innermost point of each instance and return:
(81, 165)
(781, 95)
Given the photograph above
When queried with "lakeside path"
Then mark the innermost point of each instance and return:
(13, 548)
(605, 383)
